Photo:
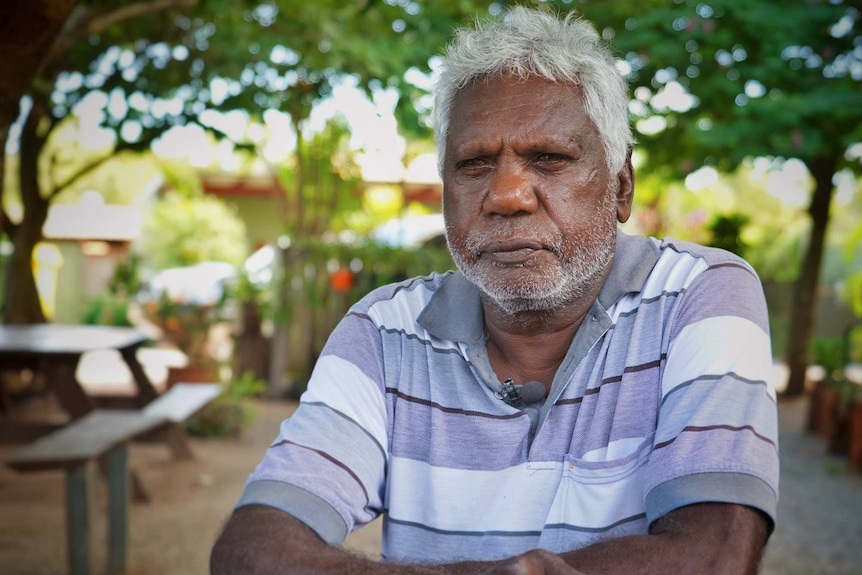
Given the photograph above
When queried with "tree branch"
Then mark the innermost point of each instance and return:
(86, 169)
(131, 11)
(85, 21)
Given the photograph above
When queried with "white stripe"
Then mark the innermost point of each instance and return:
(672, 272)
(715, 346)
(404, 305)
(402, 310)
(516, 499)
(344, 387)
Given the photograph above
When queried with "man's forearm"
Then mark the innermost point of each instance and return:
(705, 538)
(261, 540)
(708, 538)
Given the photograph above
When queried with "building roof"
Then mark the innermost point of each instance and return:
(93, 219)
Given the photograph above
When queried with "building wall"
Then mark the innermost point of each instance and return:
(70, 299)
(260, 215)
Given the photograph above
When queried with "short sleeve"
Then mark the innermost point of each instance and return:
(327, 467)
(716, 438)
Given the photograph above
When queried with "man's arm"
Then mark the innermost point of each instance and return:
(261, 540)
(703, 538)
(708, 538)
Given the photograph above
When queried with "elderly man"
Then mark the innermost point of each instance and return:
(573, 400)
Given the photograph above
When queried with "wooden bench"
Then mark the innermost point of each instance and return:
(178, 404)
(103, 435)
(96, 434)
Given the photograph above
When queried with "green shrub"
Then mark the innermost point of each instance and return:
(107, 309)
(230, 413)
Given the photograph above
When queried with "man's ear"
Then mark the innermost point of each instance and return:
(625, 190)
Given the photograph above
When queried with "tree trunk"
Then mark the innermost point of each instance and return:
(803, 311)
(28, 28)
(22, 303)
(27, 31)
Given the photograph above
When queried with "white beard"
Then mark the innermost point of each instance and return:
(581, 262)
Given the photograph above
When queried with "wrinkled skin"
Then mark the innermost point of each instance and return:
(530, 205)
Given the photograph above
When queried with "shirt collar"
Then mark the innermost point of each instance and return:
(455, 310)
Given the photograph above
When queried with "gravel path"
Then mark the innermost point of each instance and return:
(819, 530)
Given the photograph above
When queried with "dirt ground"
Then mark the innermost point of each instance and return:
(820, 514)
(170, 535)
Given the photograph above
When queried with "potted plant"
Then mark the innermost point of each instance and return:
(185, 304)
(826, 362)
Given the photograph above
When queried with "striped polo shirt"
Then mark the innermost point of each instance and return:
(662, 401)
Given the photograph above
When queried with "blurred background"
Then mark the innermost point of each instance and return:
(229, 176)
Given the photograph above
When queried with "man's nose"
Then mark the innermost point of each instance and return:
(510, 191)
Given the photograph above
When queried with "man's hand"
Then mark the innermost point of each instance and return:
(536, 562)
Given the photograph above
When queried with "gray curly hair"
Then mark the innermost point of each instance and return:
(528, 43)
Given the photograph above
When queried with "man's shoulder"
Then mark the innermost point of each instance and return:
(683, 261)
(409, 294)
(672, 248)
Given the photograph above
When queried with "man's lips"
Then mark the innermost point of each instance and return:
(510, 252)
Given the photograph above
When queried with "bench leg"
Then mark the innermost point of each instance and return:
(77, 521)
(118, 503)
(178, 442)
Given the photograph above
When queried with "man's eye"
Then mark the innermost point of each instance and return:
(473, 165)
(550, 158)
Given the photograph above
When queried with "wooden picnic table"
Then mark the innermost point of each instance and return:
(56, 350)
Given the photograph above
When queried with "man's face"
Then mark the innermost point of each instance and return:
(530, 207)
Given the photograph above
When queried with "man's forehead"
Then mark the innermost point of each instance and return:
(555, 108)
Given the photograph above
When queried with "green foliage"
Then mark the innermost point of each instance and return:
(727, 233)
(251, 55)
(186, 230)
(771, 228)
(324, 185)
(853, 340)
(107, 309)
(245, 290)
(138, 69)
(828, 352)
(231, 412)
(181, 178)
(833, 354)
(307, 283)
(112, 308)
(853, 260)
(126, 280)
(186, 324)
(374, 264)
(768, 77)
(853, 293)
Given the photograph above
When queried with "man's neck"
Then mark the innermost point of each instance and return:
(530, 346)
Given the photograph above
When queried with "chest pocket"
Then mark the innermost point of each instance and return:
(603, 491)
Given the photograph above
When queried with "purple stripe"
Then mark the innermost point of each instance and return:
(434, 405)
(614, 379)
(713, 378)
(605, 414)
(463, 532)
(744, 298)
(698, 429)
(357, 341)
(458, 438)
(613, 525)
(329, 458)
